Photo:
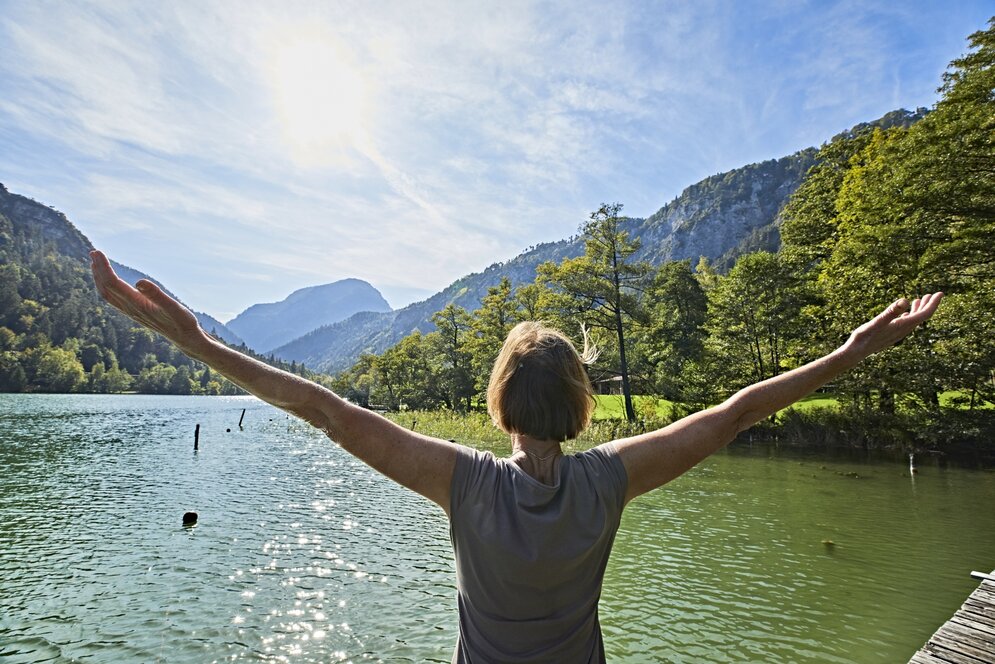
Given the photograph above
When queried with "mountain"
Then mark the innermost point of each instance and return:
(719, 218)
(336, 346)
(266, 326)
(36, 222)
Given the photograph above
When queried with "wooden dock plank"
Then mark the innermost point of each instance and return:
(923, 657)
(952, 656)
(968, 620)
(978, 608)
(966, 642)
(969, 636)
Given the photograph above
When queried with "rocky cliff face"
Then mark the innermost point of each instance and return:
(711, 217)
(31, 219)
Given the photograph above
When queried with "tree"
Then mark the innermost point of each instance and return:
(753, 313)
(677, 309)
(604, 286)
(58, 370)
(491, 323)
(10, 300)
(407, 374)
(13, 378)
(910, 210)
(155, 379)
(356, 383)
(452, 344)
(180, 383)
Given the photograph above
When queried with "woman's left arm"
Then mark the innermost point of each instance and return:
(654, 458)
(420, 463)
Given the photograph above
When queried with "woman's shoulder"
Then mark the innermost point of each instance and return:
(468, 454)
(606, 453)
(472, 463)
(602, 467)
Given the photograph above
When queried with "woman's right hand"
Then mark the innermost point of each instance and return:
(147, 304)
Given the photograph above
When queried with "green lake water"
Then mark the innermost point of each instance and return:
(303, 554)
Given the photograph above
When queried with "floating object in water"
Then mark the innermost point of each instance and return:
(227, 430)
(189, 518)
(828, 543)
(196, 438)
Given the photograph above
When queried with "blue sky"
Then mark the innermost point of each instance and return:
(238, 151)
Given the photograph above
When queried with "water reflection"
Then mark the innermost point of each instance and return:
(303, 554)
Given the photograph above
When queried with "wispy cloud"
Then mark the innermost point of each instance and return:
(174, 136)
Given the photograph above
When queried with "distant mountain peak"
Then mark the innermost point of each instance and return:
(268, 325)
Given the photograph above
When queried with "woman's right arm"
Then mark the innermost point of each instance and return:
(653, 459)
(418, 462)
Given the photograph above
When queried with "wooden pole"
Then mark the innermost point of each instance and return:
(196, 438)
(241, 418)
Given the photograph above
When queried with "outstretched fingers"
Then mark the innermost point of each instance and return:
(112, 288)
(924, 307)
(919, 311)
(896, 322)
(147, 304)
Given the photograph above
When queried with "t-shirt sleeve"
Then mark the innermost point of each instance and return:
(606, 470)
(472, 469)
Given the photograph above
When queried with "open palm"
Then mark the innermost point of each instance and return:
(146, 303)
(894, 323)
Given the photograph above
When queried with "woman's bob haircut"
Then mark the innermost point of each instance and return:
(539, 386)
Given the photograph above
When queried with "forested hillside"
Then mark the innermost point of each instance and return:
(57, 335)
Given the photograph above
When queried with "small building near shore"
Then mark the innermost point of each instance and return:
(608, 384)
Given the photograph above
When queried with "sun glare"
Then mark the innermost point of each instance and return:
(320, 98)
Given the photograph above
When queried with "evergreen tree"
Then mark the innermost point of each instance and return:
(604, 286)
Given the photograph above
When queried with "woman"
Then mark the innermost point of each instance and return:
(531, 533)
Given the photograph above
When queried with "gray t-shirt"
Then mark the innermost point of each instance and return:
(530, 557)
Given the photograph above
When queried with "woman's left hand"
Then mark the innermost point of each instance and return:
(893, 324)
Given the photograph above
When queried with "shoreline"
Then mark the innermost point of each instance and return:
(822, 432)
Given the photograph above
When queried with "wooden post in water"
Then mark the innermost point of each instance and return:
(241, 418)
(196, 438)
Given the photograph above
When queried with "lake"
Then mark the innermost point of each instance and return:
(303, 554)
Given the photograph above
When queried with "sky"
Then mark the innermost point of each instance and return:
(238, 151)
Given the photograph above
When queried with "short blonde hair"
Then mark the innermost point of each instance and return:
(539, 386)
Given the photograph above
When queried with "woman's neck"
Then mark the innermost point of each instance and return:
(538, 458)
